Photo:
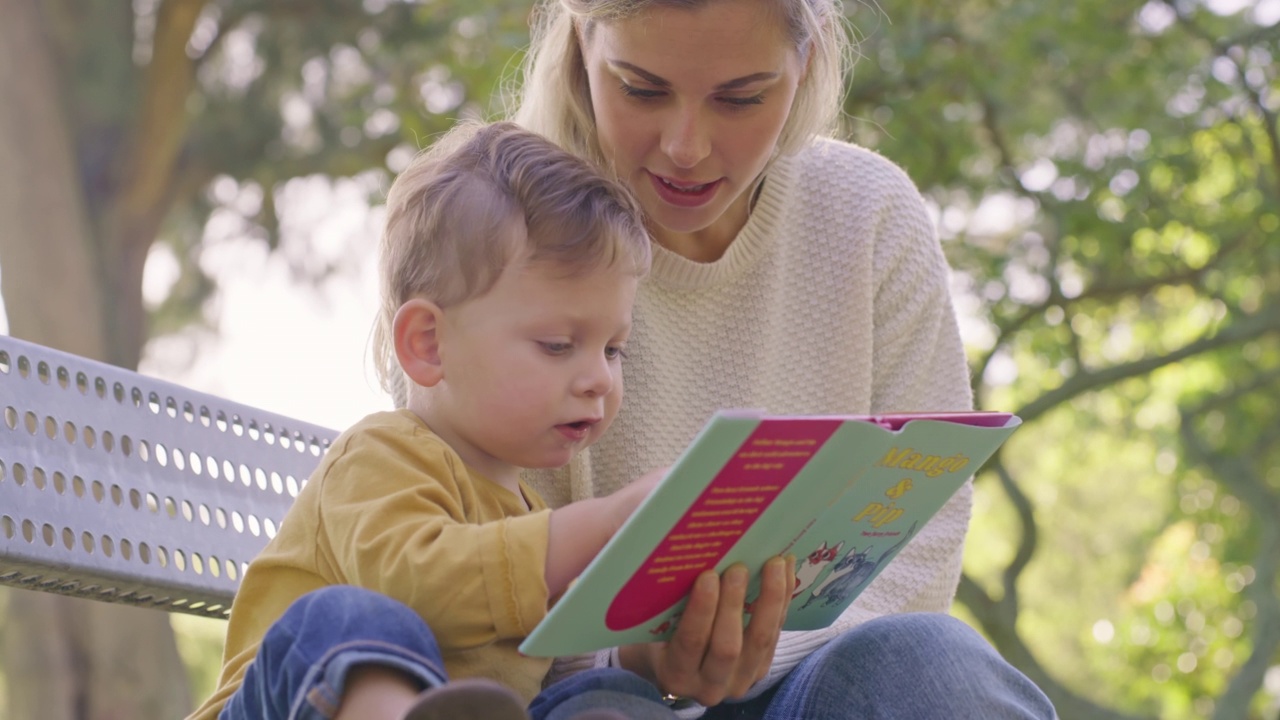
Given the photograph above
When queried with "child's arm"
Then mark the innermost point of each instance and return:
(578, 530)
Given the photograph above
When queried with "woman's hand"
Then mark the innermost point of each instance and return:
(712, 657)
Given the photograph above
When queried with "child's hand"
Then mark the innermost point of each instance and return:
(629, 498)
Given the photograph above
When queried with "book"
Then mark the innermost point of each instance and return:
(844, 494)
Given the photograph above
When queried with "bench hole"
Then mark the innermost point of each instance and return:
(205, 418)
(31, 422)
(64, 377)
(48, 534)
(237, 427)
(170, 507)
(135, 499)
(197, 564)
(254, 432)
(179, 460)
(24, 366)
(228, 471)
(59, 482)
(69, 432)
(108, 547)
(215, 567)
(221, 421)
(188, 412)
(153, 403)
(28, 531)
(211, 467)
(2, 471)
(276, 483)
(231, 570)
(117, 390)
(204, 514)
(237, 522)
(314, 445)
(38, 478)
(171, 407)
(135, 394)
(82, 383)
(19, 474)
(291, 483)
(269, 526)
(193, 462)
(220, 516)
(42, 372)
(268, 434)
(4, 362)
(117, 495)
(179, 561)
(162, 556)
(108, 441)
(77, 486)
(86, 541)
(126, 549)
(188, 512)
(7, 525)
(144, 451)
(50, 427)
(90, 437)
(246, 477)
(68, 538)
(11, 417)
(253, 525)
(144, 553)
(126, 445)
(162, 455)
(261, 477)
(99, 490)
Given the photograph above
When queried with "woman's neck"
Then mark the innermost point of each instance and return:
(710, 243)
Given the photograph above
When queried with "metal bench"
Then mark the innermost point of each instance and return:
(123, 488)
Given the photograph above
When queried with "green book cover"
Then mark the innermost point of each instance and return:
(844, 494)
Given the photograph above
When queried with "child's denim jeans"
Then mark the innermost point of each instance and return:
(914, 666)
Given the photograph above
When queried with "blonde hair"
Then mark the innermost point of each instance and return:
(481, 196)
(554, 98)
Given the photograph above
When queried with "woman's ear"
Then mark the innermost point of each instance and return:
(416, 332)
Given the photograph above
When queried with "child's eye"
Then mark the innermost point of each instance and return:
(556, 348)
(639, 93)
(614, 352)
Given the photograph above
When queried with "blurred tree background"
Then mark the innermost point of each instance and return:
(1106, 177)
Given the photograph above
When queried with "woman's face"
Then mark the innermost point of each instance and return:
(688, 106)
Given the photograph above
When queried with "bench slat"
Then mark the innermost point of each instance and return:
(125, 488)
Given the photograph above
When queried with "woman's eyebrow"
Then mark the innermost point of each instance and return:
(662, 82)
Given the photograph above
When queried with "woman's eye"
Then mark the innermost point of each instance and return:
(639, 93)
(742, 102)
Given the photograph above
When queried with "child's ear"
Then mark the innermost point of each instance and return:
(416, 331)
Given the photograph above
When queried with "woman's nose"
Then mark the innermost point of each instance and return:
(686, 140)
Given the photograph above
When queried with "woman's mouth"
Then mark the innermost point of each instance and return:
(683, 194)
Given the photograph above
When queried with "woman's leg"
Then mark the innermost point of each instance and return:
(307, 657)
(602, 689)
(909, 666)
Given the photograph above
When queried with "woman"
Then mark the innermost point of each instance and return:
(791, 272)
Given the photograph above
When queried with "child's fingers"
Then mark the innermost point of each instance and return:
(682, 657)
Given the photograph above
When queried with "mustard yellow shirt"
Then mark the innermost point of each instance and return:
(392, 508)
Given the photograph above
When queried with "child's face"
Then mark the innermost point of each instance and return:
(532, 370)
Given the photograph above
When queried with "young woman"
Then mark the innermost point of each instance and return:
(791, 272)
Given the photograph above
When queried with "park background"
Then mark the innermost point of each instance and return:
(192, 187)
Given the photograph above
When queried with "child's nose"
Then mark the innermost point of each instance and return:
(596, 378)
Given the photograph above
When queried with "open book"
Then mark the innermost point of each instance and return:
(844, 494)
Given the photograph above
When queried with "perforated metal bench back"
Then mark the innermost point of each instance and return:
(123, 488)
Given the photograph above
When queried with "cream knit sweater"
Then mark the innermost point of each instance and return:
(832, 299)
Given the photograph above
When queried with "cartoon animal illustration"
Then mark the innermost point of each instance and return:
(852, 572)
(810, 569)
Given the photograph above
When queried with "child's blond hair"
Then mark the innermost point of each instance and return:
(481, 196)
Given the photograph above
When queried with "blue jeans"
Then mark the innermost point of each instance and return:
(908, 667)
(901, 666)
(302, 665)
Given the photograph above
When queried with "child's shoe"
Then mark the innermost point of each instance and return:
(468, 699)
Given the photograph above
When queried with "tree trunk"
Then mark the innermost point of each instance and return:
(65, 659)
